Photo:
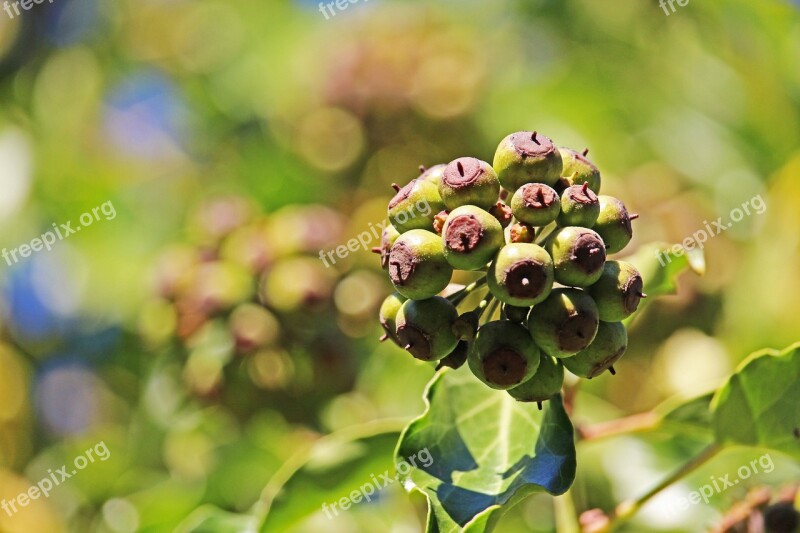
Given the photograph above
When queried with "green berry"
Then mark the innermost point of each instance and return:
(614, 224)
(425, 328)
(433, 174)
(388, 236)
(503, 355)
(536, 204)
(388, 315)
(516, 314)
(545, 383)
(576, 169)
(252, 327)
(521, 274)
(502, 213)
(579, 207)
(578, 256)
(565, 323)
(415, 206)
(618, 291)
(608, 346)
(417, 266)
(471, 238)
(469, 181)
(456, 358)
(438, 222)
(527, 157)
(519, 233)
(297, 284)
(466, 326)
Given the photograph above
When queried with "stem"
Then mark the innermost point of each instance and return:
(627, 509)
(628, 424)
(565, 515)
(484, 304)
(540, 240)
(458, 297)
(491, 308)
(569, 402)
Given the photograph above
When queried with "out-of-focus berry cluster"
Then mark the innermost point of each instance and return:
(246, 300)
(763, 511)
(533, 224)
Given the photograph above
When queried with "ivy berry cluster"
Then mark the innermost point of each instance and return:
(534, 225)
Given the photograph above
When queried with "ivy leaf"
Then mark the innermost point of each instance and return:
(691, 417)
(334, 467)
(660, 265)
(477, 452)
(208, 519)
(759, 405)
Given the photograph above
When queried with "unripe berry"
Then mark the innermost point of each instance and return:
(579, 207)
(502, 213)
(516, 314)
(297, 284)
(618, 291)
(466, 326)
(519, 233)
(577, 169)
(388, 315)
(565, 323)
(613, 224)
(424, 328)
(536, 204)
(527, 157)
(471, 237)
(607, 347)
(415, 206)
(252, 327)
(221, 285)
(469, 181)
(503, 355)
(456, 358)
(578, 256)
(433, 174)
(545, 383)
(438, 222)
(388, 236)
(417, 266)
(521, 274)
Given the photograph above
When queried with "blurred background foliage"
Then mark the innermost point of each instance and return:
(198, 334)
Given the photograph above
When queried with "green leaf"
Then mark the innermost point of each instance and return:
(334, 467)
(660, 266)
(691, 417)
(759, 405)
(210, 519)
(478, 452)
